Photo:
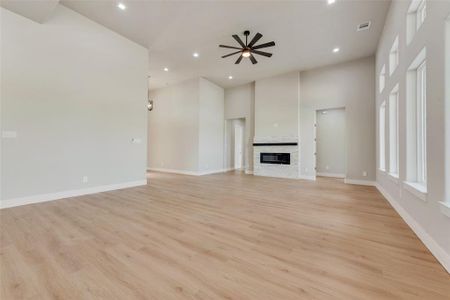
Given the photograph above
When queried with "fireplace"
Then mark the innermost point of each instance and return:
(275, 158)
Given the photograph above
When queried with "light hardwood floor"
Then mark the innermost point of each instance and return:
(224, 236)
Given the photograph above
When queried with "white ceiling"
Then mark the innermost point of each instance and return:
(38, 11)
(305, 32)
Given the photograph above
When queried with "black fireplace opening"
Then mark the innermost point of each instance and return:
(275, 158)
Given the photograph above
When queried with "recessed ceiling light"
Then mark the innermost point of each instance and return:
(166, 69)
(121, 6)
(230, 77)
(195, 54)
(336, 50)
(331, 1)
(324, 112)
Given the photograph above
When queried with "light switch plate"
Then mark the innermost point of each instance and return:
(8, 134)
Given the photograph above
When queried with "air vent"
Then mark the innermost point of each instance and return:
(363, 26)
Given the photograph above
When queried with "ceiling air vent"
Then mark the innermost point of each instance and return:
(363, 26)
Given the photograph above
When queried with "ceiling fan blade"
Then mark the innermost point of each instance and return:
(231, 47)
(262, 53)
(253, 59)
(239, 59)
(231, 54)
(255, 39)
(269, 44)
(238, 39)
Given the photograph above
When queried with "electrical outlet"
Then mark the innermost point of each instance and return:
(85, 179)
(365, 174)
(327, 167)
(306, 169)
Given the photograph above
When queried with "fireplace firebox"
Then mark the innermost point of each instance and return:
(275, 158)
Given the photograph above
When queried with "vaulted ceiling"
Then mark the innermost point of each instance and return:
(305, 32)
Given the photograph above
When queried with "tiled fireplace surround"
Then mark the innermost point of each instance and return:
(276, 170)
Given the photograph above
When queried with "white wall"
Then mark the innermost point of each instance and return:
(276, 106)
(425, 217)
(211, 127)
(447, 109)
(75, 94)
(285, 106)
(173, 129)
(331, 142)
(307, 145)
(350, 85)
(186, 128)
(240, 103)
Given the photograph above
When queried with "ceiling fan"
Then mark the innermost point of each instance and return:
(248, 49)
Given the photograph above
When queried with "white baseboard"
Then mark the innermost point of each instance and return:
(441, 255)
(201, 173)
(334, 175)
(249, 172)
(307, 177)
(164, 170)
(359, 182)
(67, 194)
(192, 173)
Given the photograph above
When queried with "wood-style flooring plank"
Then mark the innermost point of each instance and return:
(222, 236)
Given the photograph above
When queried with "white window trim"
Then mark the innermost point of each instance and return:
(394, 56)
(417, 189)
(394, 93)
(445, 208)
(394, 178)
(382, 79)
(382, 142)
(421, 128)
(419, 19)
(414, 19)
(412, 157)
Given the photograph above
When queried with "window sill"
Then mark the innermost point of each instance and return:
(381, 170)
(393, 177)
(417, 189)
(445, 208)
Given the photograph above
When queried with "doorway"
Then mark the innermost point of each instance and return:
(235, 144)
(238, 146)
(331, 143)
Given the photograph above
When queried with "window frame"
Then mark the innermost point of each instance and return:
(421, 125)
(421, 14)
(393, 117)
(382, 136)
(382, 79)
(416, 132)
(394, 56)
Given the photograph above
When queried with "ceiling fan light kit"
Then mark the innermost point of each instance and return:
(248, 49)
